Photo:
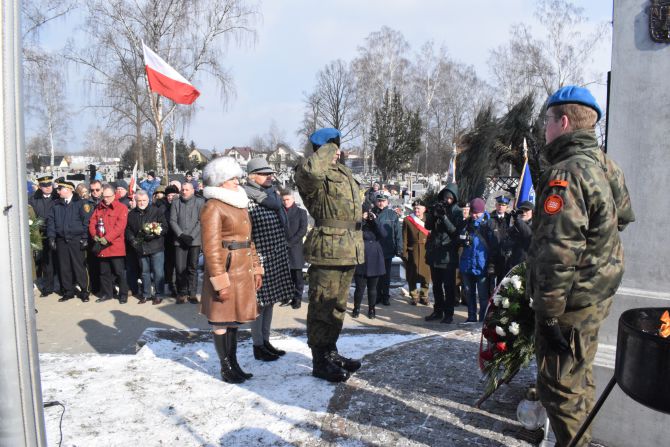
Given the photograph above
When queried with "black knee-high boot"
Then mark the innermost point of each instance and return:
(233, 354)
(228, 373)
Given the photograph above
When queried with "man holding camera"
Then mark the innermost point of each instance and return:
(67, 228)
(518, 237)
(443, 220)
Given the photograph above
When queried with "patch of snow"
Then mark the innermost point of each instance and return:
(171, 394)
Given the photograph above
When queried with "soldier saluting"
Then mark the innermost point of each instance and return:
(333, 248)
(575, 262)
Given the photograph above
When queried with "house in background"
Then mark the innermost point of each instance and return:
(241, 154)
(202, 156)
(283, 158)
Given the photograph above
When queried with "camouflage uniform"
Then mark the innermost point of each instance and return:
(334, 246)
(575, 265)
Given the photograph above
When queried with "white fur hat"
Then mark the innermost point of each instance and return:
(221, 169)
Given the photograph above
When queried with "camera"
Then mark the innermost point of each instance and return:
(439, 209)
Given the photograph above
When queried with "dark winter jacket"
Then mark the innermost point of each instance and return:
(392, 241)
(444, 223)
(374, 265)
(517, 242)
(185, 218)
(143, 243)
(42, 205)
(498, 228)
(69, 222)
(295, 234)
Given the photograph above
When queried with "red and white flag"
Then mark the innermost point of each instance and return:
(166, 81)
(132, 187)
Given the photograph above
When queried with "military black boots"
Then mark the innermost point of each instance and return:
(323, 366)
(348, 364)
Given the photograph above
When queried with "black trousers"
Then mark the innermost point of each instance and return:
(46, 271)
(298, 284)
(186, 261)
(169, 265)
(132, 269)
(93, 266)
(444, 289)
(362, 282)
(72, 266)
(384, 283)
(113, 269)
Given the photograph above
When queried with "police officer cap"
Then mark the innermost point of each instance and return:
(526, 205)
(46, 179)
(259, 166)
(502, 199)
(322, 136)
(69, 185)
(571, 94)
(381, 196)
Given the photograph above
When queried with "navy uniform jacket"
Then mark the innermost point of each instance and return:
(296, 230)
(70, 221)
(392, 242)
(42, 204)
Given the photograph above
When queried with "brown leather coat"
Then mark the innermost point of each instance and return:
(223, 222)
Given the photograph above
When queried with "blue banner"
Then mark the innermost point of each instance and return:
(526, 190)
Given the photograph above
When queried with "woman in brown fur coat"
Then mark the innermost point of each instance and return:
(232, 268)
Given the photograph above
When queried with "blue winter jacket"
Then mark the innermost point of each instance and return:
(392, 242)
(473, 258)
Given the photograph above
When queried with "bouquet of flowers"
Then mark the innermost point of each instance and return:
(34, 226)
(508, 335)
(152, 228)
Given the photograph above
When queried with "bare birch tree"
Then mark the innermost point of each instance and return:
(528, 64)
(191, 35)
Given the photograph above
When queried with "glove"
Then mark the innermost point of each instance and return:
(185, 239)
(83, 244)
(150, 237)
(52, 243)
(552, 333)
(103, 241)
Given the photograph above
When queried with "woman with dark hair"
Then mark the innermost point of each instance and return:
(368, 273)
(232, 268)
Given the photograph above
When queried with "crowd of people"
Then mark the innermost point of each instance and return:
(255, 241)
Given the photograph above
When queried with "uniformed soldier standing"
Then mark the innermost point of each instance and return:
(333, 248)
(42, 202)
(67, 230)
(498, 226)
(575, 262)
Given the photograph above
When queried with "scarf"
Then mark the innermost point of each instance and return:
(237, 198)
(418, 223)
(268, 198)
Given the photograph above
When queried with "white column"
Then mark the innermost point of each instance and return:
(21, 417)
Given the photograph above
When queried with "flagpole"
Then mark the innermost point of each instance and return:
(454, 154)
(523, 172)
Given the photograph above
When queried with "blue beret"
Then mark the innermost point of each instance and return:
(502, 199)
(321, 136)
(571, 94)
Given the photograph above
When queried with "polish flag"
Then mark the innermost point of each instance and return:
(164, 80)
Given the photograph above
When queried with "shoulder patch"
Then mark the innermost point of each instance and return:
(553, 204)
(561, 183)
(87, 207)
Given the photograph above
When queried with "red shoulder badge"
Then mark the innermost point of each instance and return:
(561, 183)
(553, 204)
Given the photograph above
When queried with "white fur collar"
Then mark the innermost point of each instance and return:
(238, 198)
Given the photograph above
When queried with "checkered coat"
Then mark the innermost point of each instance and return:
(269, 236)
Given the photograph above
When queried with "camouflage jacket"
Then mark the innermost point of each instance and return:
(576, 256)
(333, 198)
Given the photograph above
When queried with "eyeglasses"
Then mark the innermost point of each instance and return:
(96, 189)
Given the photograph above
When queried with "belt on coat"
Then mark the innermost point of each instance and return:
(343, 224)
(235, 245)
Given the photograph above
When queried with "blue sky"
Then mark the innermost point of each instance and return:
(296, 38)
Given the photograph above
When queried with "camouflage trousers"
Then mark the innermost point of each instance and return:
(328, 296)
(565, 382)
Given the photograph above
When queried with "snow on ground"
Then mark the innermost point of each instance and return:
(171, 394)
